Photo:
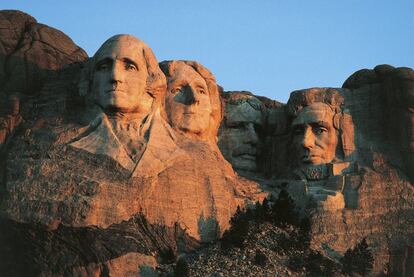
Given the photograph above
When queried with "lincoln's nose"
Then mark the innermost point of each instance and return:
(308, 140)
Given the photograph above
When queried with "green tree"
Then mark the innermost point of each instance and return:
(358, 259)
(284, 210)
(238, 230)
(181, 268)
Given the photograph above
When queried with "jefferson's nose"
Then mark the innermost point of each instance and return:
(308, 140)
(251, 135)
(191, 95)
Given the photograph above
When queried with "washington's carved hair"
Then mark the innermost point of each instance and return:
(155, 84)
(169, 67)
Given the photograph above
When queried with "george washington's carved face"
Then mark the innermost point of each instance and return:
(187, 101)
(120, 76)
(314, 135)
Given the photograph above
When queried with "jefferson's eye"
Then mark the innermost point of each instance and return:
(176, 90)
(320, 130)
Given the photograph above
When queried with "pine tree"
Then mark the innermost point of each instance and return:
(262, 211)
(238, 230)
(181, 268)
(359, 259)
(283, 210)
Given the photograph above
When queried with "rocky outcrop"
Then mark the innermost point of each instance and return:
(110, 166)
(30, 52)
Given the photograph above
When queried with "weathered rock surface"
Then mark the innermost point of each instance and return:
(365, 191)
(126, 170)
(71, 166)
(30, 51)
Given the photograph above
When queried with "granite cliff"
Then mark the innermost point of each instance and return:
(112, 164)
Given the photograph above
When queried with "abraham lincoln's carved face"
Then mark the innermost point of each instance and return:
(314, 135)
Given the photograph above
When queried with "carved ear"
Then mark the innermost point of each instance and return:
(347, 134)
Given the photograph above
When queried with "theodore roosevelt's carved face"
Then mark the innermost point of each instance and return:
(239, 134)
(187, 101)
(314, 135)
(120, 76)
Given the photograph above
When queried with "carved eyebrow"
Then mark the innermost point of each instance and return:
(320, 124)
(202, 86)
(177, 83)
(128, 60)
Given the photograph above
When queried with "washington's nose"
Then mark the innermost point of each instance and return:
(117, 75)
(251, 135)
(308, 140)
(191, 96)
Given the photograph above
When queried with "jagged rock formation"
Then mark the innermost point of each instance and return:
(113, 164)
(30, 51)
(120, 159)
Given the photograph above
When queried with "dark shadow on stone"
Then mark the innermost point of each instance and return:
(28, 250)
(208, 228)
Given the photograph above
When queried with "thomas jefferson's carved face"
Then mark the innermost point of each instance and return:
(239, 137)
(315, 138)
(120, 76)
(188, 101)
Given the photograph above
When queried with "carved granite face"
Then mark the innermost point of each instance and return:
(314, 135)
(120, 75)
(239, 138)
(188, 101)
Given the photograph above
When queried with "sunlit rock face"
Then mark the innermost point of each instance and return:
(109, 158)
(114, 160)
(192, 100)
(342, 160)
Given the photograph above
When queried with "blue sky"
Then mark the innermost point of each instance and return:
(268, 47)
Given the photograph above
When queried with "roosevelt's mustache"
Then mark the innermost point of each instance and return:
(244, 149)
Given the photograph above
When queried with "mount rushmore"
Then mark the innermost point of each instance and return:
(111, 159)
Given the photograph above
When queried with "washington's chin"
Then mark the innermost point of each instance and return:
(192, 126)
(118, 104)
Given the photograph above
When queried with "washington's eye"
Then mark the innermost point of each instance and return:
(130, 67)
(176, 90)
